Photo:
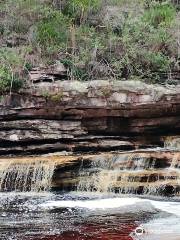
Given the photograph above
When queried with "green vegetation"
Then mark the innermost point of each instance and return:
(160, 14)
(94, 39)
(52, 32)
(79, 9)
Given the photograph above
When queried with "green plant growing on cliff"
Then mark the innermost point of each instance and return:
(57, 97)
(156, 65)
(160, 14)
(90, 48)
(79, 9)
(66, 32)
(145, 50)
(20, 15)
(52, 32)
(74, 71)
(52, 97)
(5, 78)
(106, 91)
(45, 94)
(157, 61)
(11, 70)
(8, 80)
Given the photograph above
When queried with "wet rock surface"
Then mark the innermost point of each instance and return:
(145, 172)
(136, 172)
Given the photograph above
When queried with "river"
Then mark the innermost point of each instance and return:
(81, 216)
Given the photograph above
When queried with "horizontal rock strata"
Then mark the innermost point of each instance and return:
(139, 172)
(94, 116)
(152, 172)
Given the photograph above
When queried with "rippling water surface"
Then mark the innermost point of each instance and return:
(81, 216)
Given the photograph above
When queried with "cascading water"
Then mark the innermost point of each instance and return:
(135, 173)
(172, 142)
(145, 173)
(46, 215)
(26, 175)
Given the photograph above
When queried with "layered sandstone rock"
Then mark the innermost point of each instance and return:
(88, 116)
(148, 172)
(137, 172)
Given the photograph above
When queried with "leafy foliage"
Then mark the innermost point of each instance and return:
(160, 14)
(8, 81)
(78, 9)
(78, 34)
(12, 71)
(52, 32)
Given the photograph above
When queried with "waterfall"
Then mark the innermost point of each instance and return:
(26, 174)
(172, 142)
(133, 173)
(152, 172)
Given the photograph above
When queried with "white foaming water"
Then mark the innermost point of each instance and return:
(110, 203)
(162, 228)
(92, 204)
(164, 225)
(170, 207)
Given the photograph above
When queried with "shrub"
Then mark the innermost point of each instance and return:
(156, 65)
(74, 71)
(52, 32)
(69, 31)
(20, 15)
(8, 80)
(79, 9)
(159, 14)
(145, 51)
(12, 64)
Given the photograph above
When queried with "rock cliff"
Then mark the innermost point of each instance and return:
(77, 116)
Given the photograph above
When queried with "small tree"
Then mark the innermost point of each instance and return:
(81, 8)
